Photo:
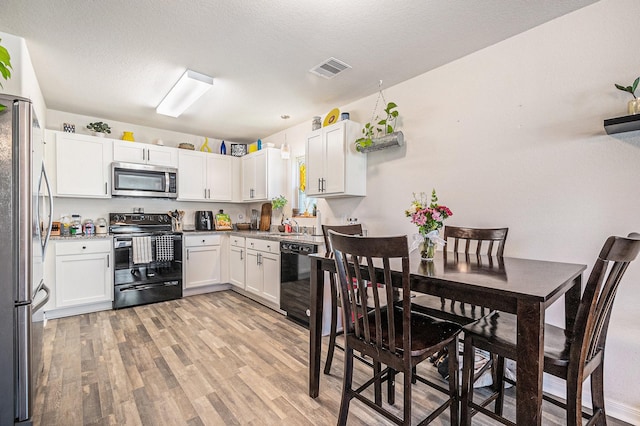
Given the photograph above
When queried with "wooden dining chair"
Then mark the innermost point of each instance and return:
(472, 242)
(469, 241)
(355, 229)
(572, 355)
(390, 334)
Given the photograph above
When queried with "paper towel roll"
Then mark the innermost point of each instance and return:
(318, 223)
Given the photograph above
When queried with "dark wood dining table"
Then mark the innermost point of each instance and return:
(520, 286)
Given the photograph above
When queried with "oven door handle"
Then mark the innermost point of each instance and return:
(141, 287)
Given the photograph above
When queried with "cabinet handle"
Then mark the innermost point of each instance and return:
(187, 254)
(203, 241)
(259, 259)
(105, 189)
(143, 154)
(241, 258)
(205, 193)
(84, 247)
(209, 193)
(319, 185)
(108, 261)
(324, 186)
(148, 155)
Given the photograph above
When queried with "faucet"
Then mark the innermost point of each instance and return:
(297, 227)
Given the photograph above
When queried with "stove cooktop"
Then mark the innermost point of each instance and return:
(136, 223)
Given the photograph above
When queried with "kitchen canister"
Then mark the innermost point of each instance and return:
(128, 136)
(316, 123)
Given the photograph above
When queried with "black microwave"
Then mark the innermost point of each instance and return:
(142, 180)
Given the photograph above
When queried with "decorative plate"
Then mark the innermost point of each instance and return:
(332, 117)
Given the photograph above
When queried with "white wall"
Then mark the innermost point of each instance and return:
(23, 81)
(513, 136)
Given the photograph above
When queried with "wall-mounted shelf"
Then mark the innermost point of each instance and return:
(627, 123)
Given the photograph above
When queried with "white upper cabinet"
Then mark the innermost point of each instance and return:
(134, 152)
(333, 166)
(83, 165)
(262, 175)
(205, 177)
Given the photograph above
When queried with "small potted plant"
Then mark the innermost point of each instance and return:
(633, 107)
(278, 203)
(382, 134)
(99, 128)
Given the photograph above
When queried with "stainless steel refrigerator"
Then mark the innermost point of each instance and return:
(25, 202)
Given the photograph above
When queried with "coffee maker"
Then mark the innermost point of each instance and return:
(204, 220)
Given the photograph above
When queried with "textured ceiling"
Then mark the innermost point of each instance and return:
(116, 59)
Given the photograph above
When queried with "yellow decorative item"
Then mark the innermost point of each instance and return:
(303, 177)
(205, 146)
(128, 136)
(253, 147)
(332, 117)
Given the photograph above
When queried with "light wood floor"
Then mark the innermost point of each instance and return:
(214, 359)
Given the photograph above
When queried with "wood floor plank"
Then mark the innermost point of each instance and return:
(211, 359)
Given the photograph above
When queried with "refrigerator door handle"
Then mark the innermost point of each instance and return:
(41, 287)
(50, 195)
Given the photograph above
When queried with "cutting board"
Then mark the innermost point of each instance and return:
(265, 217)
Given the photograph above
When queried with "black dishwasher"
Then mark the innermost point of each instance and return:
(295, 284)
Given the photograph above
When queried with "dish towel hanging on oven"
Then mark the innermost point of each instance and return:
(164, 248)
(141, 249)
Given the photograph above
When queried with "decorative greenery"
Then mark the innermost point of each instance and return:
(631, 89)
(279, 202)
(387, 126)
(5, 68)
(99, 127)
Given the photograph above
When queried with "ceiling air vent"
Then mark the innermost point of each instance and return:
(329, 68)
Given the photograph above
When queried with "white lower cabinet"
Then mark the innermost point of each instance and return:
(202, 260)
(263, 269)
(84, 272)
(237, 258)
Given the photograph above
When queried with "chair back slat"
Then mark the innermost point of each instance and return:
(356, 261)
(492, 236)
(594, 312)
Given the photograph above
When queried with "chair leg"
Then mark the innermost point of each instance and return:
(407, 396)
(391, 386)
(467, 381)
(334, 325)
(346, 386)
(574, 400)
(377, 385)
(453, 382)
(498, 384)
(597, 393)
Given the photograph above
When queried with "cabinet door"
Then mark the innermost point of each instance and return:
(83, 165)
(82, 279)
(253, 278)
(334, 156)
(237, 266)
(192, 175)
(202, 266)
(260, 171)
(162, 156)
(129, 152)
(248, 177)
(219, 177)
(314, 163)
(271, 277)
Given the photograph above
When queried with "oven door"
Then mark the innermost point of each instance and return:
(140, 180)
(142, 283)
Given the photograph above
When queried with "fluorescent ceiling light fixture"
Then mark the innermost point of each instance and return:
(186, 91)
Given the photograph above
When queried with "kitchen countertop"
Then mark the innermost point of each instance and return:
(80, 237)
(267, 235)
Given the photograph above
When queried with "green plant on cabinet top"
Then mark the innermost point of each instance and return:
(5, 68)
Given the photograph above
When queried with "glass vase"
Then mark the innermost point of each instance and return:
(633, 107)
(428, 249)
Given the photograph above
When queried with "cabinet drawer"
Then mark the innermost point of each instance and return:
(82, 247)
(237, 241)
(202, 240)
(263, 245)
